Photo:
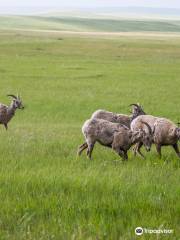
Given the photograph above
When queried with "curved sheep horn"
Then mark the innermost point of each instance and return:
(11, 95)
(149, 128)
(134, 104)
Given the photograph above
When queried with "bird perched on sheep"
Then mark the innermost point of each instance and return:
(7, 112)
(113, 135)
(165, 132)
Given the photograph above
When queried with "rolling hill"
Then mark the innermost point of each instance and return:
(88, 24)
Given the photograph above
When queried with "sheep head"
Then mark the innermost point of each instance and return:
(147, 137)
(137, 110)
(136, 136)
(17, 102)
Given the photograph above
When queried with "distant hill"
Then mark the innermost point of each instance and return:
(117, 12)
(88, 21)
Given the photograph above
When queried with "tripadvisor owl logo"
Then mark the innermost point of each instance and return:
(139, 231)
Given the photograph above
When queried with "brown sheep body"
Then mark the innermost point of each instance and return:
(7, 112)
(118, 118)
(113, 135)
(165, 132)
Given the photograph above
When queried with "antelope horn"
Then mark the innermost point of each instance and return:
(149, 128)
(11, 95)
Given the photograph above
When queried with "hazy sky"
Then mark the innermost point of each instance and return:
(90, 3)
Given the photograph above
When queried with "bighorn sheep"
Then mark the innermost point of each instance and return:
(164, 132)
(118, 118)
(7, 112)
(114, 135)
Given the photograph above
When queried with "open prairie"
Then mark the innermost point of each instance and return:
(46, 191)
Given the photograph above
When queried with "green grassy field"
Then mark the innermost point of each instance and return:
(46, 192)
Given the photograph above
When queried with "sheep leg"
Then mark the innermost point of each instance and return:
(125, 155)
(82, 148)
(6, 126)
(175, 146)
(158, 148)
(135, 149)
(138, 149)
(90, 149)
(119, 152)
